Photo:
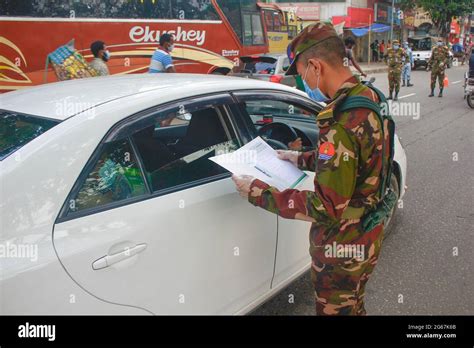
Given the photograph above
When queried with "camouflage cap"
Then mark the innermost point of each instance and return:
(309, 37)
(395, 42)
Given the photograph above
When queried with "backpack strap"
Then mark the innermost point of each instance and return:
(356, 102)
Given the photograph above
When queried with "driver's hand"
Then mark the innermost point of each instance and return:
(242, 184)
(297, 144)
(364, 74)
(291, 156)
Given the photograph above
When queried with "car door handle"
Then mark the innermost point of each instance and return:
(109, 260)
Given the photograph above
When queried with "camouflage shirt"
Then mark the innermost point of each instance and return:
(439, 58)
(395, 58)
(347, 165)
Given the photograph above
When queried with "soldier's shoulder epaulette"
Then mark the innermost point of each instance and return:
(328, 111)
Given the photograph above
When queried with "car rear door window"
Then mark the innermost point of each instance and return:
(114, 177)
(175, 148)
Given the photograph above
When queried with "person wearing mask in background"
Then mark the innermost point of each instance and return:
(395, 58)
(382, 50)
(406, 70)
(161, 61)
(437, 64)
(350, 43)
(101, 57)
(349, 164)
(374, 46)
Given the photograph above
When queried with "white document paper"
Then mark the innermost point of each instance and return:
(261, 161)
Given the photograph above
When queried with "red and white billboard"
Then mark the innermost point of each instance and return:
(306, 11)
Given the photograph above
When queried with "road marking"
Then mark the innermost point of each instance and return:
(406, 96)
(456, 82)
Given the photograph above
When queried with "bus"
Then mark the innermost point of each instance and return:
(281, 26)
(210, 35)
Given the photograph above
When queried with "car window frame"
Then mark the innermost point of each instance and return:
(120, 130)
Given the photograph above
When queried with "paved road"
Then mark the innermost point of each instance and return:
(427, 262)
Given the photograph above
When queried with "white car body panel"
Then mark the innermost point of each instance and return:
(36, 180)
(190, 256)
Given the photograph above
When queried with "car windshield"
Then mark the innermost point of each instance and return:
(17, 130)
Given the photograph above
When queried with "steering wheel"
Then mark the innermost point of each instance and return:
(278, 135)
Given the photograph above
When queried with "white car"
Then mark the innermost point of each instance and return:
(110, 205)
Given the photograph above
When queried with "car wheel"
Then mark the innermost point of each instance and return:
(470, 100)
(395, 188)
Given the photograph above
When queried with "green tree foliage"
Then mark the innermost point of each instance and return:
(441, 11)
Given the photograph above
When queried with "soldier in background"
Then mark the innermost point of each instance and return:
(437, 64)
(406, 72)
(348, 166)
(395, 58)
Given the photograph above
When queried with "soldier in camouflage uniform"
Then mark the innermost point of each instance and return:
(395, 58)
(348, 171)
(438, 63)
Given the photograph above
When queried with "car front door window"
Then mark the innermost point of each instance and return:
(175, 148)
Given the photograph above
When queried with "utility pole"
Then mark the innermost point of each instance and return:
(391, 21)
(370, 30)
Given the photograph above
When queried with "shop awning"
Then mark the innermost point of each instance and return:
(374, 28)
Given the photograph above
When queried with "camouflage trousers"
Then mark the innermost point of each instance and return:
(437, 74)
(394, 76)
(339, 278)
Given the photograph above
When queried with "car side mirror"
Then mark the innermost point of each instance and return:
(286, 67)
(185, 116)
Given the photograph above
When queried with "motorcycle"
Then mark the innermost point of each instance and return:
(469, 89)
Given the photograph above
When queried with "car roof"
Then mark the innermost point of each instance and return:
(64, 99)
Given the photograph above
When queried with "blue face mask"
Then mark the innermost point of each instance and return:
(316, 93)
(396, 47)
(106, 56)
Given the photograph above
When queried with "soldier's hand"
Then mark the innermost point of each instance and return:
(242, 183)
(291, 156)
